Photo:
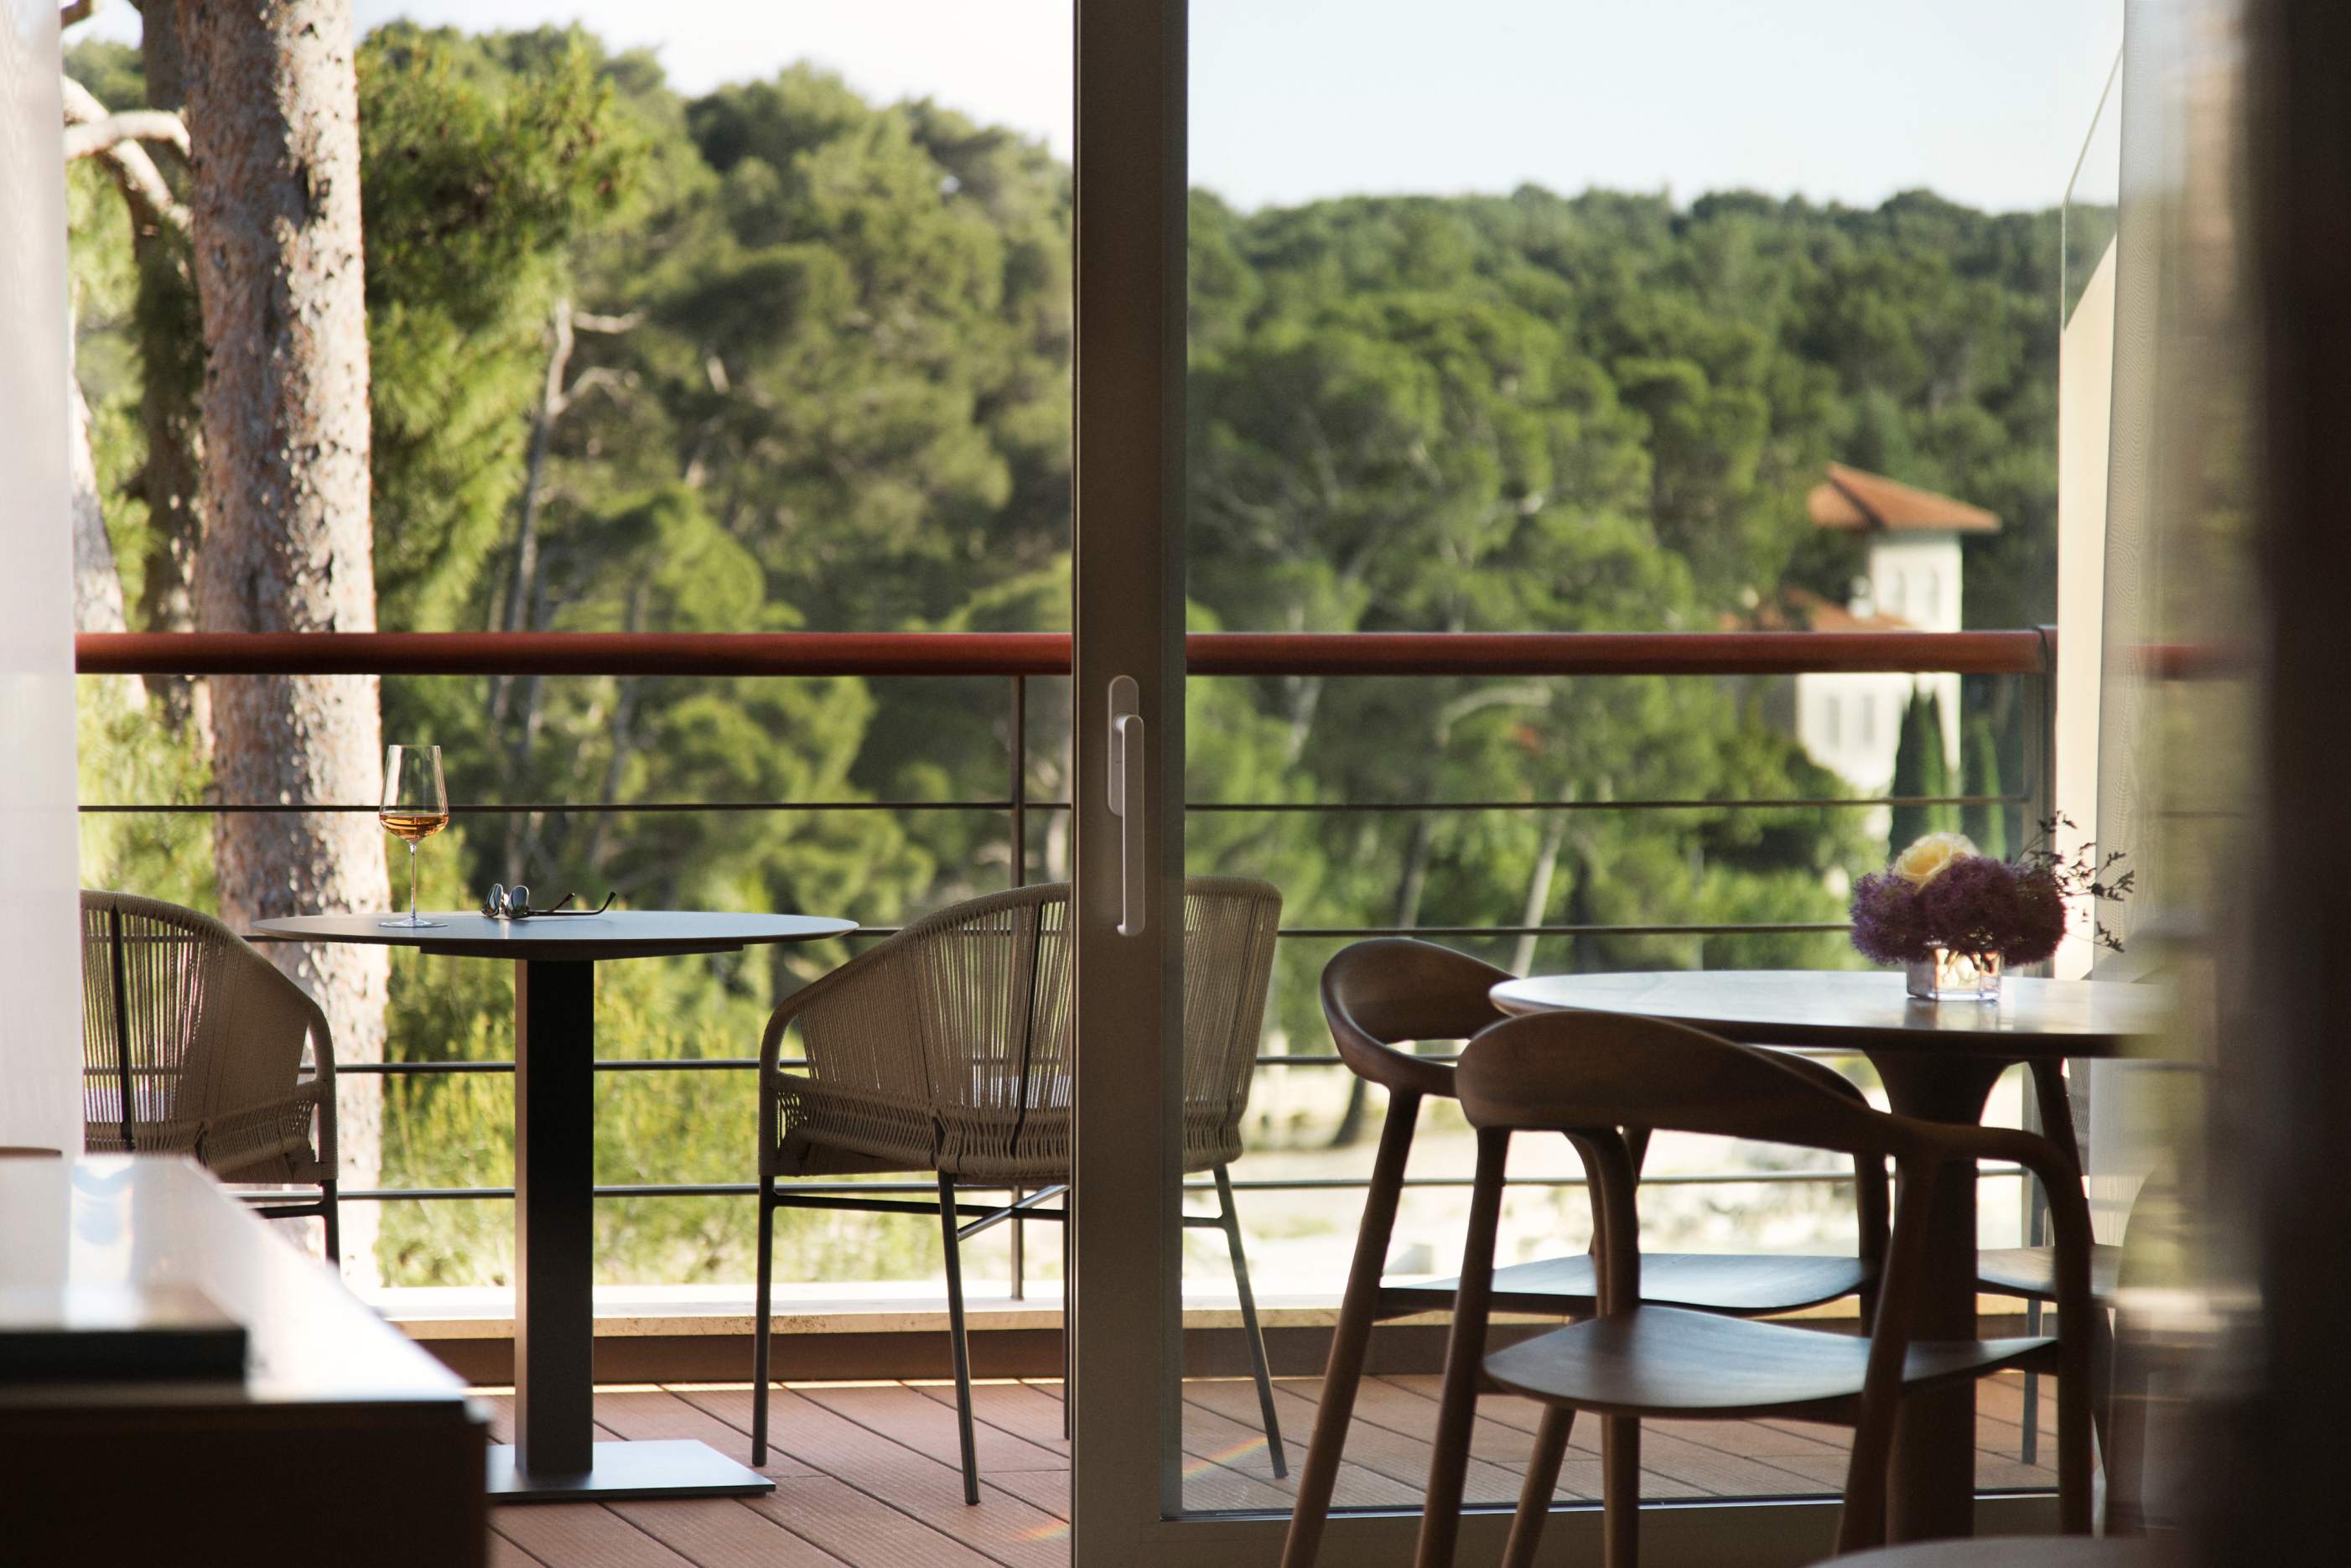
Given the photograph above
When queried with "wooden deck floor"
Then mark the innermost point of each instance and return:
(866, 1473)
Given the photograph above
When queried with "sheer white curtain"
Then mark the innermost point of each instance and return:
(40, 958)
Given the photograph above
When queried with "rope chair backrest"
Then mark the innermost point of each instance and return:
(171, 1008)
(945, 1039)
(1229, 927)
(952, 1040)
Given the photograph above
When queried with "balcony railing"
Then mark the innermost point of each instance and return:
(1017, 658)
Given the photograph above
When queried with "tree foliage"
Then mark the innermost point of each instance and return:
(840, 398)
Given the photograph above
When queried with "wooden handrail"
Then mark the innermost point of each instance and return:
(811, 654)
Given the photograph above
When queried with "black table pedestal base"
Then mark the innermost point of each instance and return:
(643, 1470)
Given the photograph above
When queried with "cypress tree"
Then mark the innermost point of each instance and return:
(1920, 768)
(1940, 775)
(1987, 824)
(1910, 776)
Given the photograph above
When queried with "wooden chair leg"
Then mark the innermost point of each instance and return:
(1068, 1341)
(1464, 1355)
(761, 1315)
(948, 1224)
(1358, 1309)
(2102, 1375)
(1620, 1488)
(2028, 1447)
(331, 1208)
(2076, 1459)
(1229, 1217)
(1542, 1478)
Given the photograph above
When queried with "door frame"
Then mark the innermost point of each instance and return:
(1128, 618)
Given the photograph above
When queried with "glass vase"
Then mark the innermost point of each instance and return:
(1952, 975)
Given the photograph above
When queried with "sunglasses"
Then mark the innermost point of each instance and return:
(514, 904)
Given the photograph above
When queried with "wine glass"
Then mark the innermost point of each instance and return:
(415, 807)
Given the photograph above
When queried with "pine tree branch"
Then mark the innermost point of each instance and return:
(583, 321)
(141, 183)
(129, 125)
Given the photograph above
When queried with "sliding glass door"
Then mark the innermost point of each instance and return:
(1519, 317)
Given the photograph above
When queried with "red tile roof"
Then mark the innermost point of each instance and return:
(1850, 498)
(1801, 610)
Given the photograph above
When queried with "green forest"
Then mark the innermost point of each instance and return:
(778, 358)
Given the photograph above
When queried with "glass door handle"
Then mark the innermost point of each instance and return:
(1127, 773)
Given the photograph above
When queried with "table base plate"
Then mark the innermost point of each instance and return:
(669, 1468)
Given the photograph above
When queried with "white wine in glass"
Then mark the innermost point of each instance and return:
(415, 807)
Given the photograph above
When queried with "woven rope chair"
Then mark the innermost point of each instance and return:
(947, 1049)
(194, 1042)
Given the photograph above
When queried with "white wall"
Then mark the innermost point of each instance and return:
(2085, 385)
(40, 958)
(1915, 577)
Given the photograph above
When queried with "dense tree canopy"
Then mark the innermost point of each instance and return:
(780, 358)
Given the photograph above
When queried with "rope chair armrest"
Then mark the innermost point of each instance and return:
(780, 1020)
(274, 1129)
(254, 967)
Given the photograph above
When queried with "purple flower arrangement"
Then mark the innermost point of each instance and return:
(1940, 894)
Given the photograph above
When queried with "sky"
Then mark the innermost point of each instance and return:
(1986, 102)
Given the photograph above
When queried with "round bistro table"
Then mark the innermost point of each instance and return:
(1938, 1061)
(554, 1456)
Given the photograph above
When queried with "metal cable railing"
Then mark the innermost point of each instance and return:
(1019, 657)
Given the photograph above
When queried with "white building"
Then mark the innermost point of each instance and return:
(1851, 724)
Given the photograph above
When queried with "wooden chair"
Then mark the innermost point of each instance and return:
(2025, 1551)
(1588, 1074)
(192, 1041)
(1383, 994)
(2030, 1272)
(947, 1049)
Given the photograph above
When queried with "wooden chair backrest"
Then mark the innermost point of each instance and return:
(1573, 1070)
(1391, 991)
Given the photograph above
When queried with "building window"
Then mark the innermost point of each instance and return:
(1831, 721)
(1869, 721)
(1931, 595)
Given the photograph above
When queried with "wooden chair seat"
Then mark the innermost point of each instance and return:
(2032, 1272)
(1756, 1284)
(1668, 1361)
(2023, 1552)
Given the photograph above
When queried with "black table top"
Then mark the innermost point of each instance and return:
(615, 933)
(1864, 1009)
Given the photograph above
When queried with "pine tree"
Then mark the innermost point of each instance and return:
(1987, 824)
(1921, 768)
(273, 119)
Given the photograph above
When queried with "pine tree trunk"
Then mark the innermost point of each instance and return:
(273, 113)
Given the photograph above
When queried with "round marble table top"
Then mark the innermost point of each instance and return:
(1862, 1010)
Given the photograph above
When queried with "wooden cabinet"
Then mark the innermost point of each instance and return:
(343, 1444)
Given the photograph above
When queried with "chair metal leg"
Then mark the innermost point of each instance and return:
(1229, 1221)
(1542, 1478)
(762, 1314)
(1358, 1309)
(948, 1225)
(330, 1206)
